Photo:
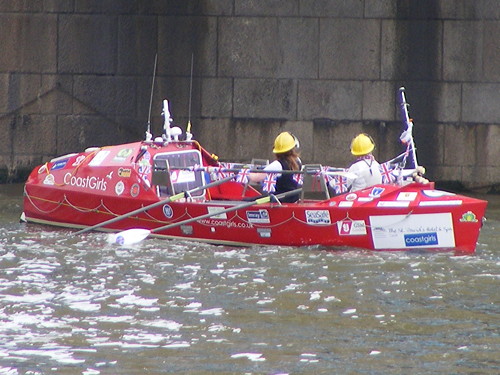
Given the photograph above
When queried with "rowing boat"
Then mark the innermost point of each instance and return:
(171, 187)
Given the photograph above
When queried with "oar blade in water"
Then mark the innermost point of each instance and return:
(129, 236)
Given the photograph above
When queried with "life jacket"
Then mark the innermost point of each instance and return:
(286, 182)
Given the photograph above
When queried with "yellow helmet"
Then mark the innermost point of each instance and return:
(285, 142)
(362, 145)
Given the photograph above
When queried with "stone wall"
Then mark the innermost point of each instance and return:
(78, 73)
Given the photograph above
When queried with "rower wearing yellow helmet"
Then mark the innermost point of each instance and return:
(287, 159)
(365, 167)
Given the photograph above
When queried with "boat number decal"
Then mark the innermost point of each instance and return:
(135, 190)
(122, 154)
(124, 172)
(119, 188)
(351, 227)
(468, 217)
(59, 165)
(418, 230)
(376, 192)
(167, 211)
(260, 216)
(214, 210)
(318, 217)
(351, 197)
(88, 182)
(99, 158)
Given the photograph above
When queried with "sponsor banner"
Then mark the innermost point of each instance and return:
(99, 158)
(413, 231)
(168, 211)
(124, 172)
(87, 182)
(376, 192)
(351, 227)
(259, 217)
(59, 165)
(436, 193)
(180, 176)
(122, 155)
(346, 204)
(318, 217)
(49, 180)
(119, 188)
(469, 217)
(213, 210)
(135, 190)
(455, 202)
(407, 196)
(393, 204)
(79, 160)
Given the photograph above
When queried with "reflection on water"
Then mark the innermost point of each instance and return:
(76, 304)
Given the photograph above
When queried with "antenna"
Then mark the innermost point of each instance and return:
(149, 136)
(188, 129)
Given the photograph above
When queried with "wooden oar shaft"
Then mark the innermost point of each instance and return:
(229, 209)
(159, 203)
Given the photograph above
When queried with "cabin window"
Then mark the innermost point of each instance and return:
(178, 178)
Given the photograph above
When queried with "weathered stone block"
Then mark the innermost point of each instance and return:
(108, 7)
(137, 45)
(58, 6)
(487, 146)
(337, 100)
(107, 95)
(480, 103)
(21, 6)
(379, 100)
(28, 43)
(217, 97)
(87, 44)
(260, 98)
(460, 145)
(380, 8)
(33, 133)
(21, 89)
(180, 39)
(411, 50)
(491, 51)
(459, 9)
(76, 133)
(433, 101)
(185, 8)
(349, 49)
(267, 7)
(332, 8)
(268, 47)
(462, 56)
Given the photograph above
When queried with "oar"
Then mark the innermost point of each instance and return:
(132, 236)
(265, 199)
(159, 203)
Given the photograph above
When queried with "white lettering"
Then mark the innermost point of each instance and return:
(88, 182)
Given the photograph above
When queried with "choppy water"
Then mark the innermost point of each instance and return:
(77, 305)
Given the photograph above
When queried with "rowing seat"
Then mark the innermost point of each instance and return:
(314, 185)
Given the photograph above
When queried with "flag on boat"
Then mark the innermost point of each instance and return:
(388, 172)
(339, 184)
(269, 183)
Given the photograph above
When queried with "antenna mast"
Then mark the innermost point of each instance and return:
(149, 136)
(188, 129)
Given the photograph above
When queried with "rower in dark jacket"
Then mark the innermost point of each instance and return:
(287, 159)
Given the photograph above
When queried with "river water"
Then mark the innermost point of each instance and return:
(78, 305)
